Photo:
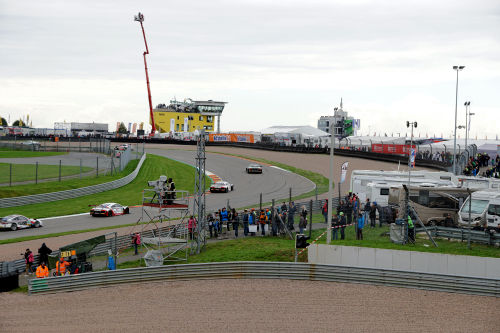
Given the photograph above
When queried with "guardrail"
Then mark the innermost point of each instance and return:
(269, 270)
(69, 194)
(476, 236)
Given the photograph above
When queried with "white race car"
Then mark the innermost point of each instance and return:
(221, 186)
(14, 222)
(109, 209)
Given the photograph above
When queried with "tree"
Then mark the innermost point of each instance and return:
(3, 121)
(122, 129)
(19, 123)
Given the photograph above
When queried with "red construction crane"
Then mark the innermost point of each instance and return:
(140, 18)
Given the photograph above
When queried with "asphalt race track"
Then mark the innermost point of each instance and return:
(273, 183)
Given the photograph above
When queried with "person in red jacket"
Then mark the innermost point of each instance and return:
(191, 227)
(325, 211)
(136, 240)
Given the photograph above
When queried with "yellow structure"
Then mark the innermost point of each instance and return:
(188, 116)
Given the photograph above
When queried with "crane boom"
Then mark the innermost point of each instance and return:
(140, 18)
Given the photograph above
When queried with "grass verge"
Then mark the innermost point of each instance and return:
(8, 153)
(129, 195)
(25, 172)
(69, 184)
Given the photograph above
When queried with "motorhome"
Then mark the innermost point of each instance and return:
(479, 182)
(432, 204)
(483, 210)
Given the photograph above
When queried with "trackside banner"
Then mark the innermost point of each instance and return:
(392, 149)
(233, 137)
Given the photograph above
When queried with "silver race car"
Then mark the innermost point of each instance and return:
(254, 168)
(109, 209)
(14, 222)
(221, 186)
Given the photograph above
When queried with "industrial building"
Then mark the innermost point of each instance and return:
(73, 129)
(188, 116)
(344, 125)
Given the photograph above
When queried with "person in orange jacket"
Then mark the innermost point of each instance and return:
(42, 271)
(61, 267)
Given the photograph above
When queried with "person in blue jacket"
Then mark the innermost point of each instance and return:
(224, 218)
(361, 224)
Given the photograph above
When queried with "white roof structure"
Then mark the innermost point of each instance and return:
(367, 141)
(486, 146)
(303, 130)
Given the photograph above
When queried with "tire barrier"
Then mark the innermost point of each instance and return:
(268, 270)
(69, 194)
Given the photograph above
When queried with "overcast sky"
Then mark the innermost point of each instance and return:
(276, 63)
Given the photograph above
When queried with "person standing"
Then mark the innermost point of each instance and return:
(61, 267)
(210, 220)
(411, 230)
(348, 209)
(42, 271)
(43, 253)
(224, 218)
(373, 215)
(302, 223)
(245, 223)
(335, 227)
(359, 230)
(262, 221)
(448, 221)
(291, 215)
(325, 211)
(170, 191)
(342, 223)
(236, 222)
(366, 211)
(191, 227)
(29, 259)
(136, 240)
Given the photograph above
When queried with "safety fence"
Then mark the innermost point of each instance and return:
(462, 234)
(269, 270)
(34, 143)
(74, 193)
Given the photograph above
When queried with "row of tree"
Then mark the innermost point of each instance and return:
(19, 122)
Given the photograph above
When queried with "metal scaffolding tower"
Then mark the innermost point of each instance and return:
(199, 194)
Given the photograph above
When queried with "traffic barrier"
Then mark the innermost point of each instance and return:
(476, 236)
(269, 270)
(69, 194)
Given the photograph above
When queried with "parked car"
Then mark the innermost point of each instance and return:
(254, 168)
(221, 186)
(14, 222)
(109, 209)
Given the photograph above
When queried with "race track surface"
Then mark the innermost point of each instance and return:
(273, 183)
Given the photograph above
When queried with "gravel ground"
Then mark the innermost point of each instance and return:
(250, 306)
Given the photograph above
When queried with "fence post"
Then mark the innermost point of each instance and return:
(36, 172)
(10, 174)
(290, 195)
(260, 203)
(97, 167)
(60, 162)
(316, 193)
(311, 218)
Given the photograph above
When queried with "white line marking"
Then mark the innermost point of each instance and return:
(274, 166)
(61, 217)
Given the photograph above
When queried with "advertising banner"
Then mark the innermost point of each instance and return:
(129, 127)
(117, 126)
(412, 158)
(343, 172)
(186, 124)
(391, 149)
(248, 138)
(172, 125)
(134, 127)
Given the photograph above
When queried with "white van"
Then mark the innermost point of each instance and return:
(484, 210)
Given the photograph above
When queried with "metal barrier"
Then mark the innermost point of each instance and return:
(269, 270)
(476, 236)
(69, 194)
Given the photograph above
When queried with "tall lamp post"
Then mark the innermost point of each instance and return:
(410, 163)
(457, 69)
(330, 185)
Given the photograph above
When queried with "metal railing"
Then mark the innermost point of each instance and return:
(269, 270)
(69, 194)
(476, 236)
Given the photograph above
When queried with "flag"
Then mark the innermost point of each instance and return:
(343, 172)
(412, 158)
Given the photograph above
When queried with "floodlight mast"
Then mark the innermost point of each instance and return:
(140, 18)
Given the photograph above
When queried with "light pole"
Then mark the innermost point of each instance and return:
(457, 69)
(330, 185)
(410, 163)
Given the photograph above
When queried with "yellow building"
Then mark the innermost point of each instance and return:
(188, 116)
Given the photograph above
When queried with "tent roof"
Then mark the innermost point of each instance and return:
(304, 130)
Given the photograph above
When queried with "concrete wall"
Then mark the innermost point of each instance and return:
(404, 260)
